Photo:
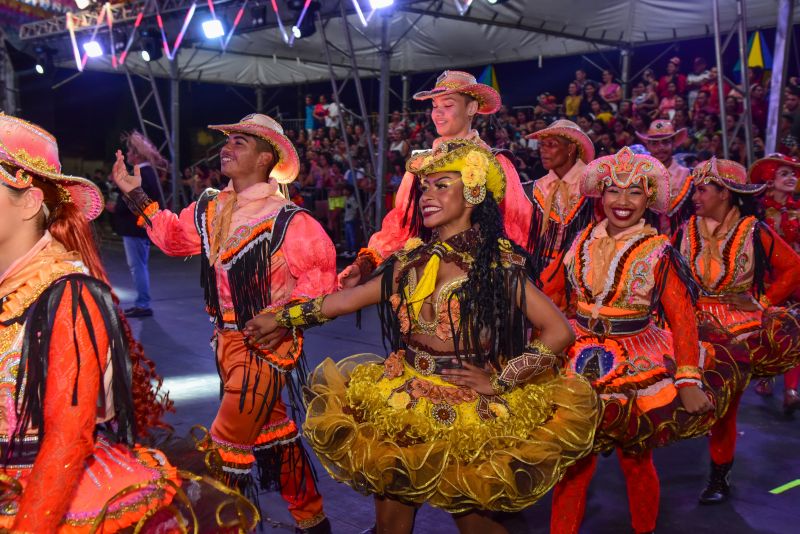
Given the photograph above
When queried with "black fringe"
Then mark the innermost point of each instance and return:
(672, 259)
(31, 384)
(683, 214)
(284, 458)
(762, 264)
(544, 247)
(387, 314)
(249, 280)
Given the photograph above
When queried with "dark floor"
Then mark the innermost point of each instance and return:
(177, 337)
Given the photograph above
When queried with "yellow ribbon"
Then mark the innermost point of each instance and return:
(426, 283)
(558, 196)
(221, 224)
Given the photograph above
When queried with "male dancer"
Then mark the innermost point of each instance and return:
(257, 249)
(661, 140)
(457, 98)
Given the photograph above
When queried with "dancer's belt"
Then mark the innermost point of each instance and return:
(607, 326)
(23, 455)
(428, 362)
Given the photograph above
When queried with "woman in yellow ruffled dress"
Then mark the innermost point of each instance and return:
(465, 413)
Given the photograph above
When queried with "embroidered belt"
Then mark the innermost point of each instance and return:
(607, 326)
(23, 455)
(427, 363)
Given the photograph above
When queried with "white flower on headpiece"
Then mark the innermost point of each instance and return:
(476, 165)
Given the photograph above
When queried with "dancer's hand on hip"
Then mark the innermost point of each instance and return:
(263, 331)
(694, 400)
(477, 379)
(349, 277)
(119, 173)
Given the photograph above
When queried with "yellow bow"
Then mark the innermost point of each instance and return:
(427, 282)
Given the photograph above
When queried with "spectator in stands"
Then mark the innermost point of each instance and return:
(758, 105)
(695, 81)
(589, 94)
(673, 75)
(351, 222)
(713, 91)
(610, 91)
(666, 107)
(580, 79)
(310, 123)
(320, 113)
(333, 116)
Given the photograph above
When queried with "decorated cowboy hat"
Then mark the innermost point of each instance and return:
(663, 129)
(457, 82)
(624, 169)
(266, 128)
(477, 165)
(763, 170)
(28, 151)
(572, 133)
(727, 174)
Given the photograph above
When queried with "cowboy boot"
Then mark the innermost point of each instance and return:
(791, 401)
(718, 488)
(764, 387)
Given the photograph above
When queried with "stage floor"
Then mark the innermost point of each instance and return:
(768, 456)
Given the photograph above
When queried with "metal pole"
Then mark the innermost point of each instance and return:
(745, 72)
(783, 37)
(626, 71)
(136, 103)
(720, 78)
(335, 85)
(362, 104)
(383, 114)
(260, 99)
(406, 92)
(175, 117)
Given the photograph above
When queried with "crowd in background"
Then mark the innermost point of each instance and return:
(328, 138)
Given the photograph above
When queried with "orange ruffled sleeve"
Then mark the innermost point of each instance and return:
(311, 257)
(68, 430)
(679, 313)
(175, 235)
(785, 262)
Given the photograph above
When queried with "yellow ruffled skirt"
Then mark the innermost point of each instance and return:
(415, 438)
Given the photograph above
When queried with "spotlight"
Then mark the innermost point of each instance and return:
(93, 48)
(83, 4)
(258, 16)
(213, 29)
(307, 27)
(496, 2)
(145, 55)
(296, 32)
(380, 4)
(151, 47)
(44, 58)
(39, 69)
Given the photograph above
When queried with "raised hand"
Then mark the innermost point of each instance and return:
(120, 176)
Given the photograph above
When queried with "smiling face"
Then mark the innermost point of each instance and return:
(785, 179)
(623, 207)
(452, 114)
(710, 199)
(661, 149)
(243, 156)
(442, 202)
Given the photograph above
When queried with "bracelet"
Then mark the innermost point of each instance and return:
(139, 203)
(300, 312)
(498, 385)
(537, 359)
(367, 261)
(147, 214)
(764, 302)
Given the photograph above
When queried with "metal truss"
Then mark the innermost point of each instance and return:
(738, 28)
(8, 90)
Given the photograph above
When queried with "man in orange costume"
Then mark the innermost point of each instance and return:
(258, 249)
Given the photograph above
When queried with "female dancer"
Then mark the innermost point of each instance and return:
(67, 423)
(465, 413)
(655, 388)
(779, 173)
(730, 252)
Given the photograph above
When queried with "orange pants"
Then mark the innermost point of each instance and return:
(262, 423)
(641, 479)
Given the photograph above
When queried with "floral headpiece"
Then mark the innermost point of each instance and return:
(480, 170)
(625, 169)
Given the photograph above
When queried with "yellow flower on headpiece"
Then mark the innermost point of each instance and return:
(412, 243)
(474, 172)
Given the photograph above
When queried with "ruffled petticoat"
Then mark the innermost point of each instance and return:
(633, 376)
(384, 428)
(772, 336)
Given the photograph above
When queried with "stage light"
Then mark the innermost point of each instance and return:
(496, 2)
(213, 29)
(296, 32)
(83, 4)
(39, 69)
(306, 27)
(258, 16)
(145, 55)
(93, 48)
(380, 4)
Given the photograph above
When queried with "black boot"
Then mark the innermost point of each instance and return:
(718, 488)
(323, 527)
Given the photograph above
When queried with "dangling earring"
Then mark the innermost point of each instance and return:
(475, 195)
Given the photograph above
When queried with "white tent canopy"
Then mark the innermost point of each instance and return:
(432, 35)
